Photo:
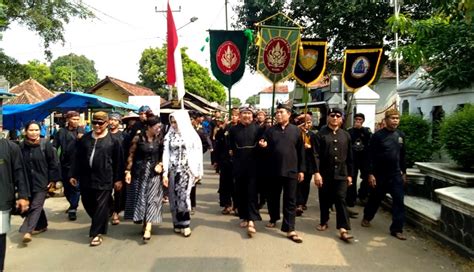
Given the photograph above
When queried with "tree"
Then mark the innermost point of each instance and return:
(444, 43)
(13, 71)
(197, 79)
(236, 102)
(46, 18)
(253, 100)
(39, 72)
(79, 68)
(343, 23)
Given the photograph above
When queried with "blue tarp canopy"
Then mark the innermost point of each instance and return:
(15, 116)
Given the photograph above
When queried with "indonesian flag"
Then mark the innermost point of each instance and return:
(174, 66)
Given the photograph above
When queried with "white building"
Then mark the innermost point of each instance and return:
(265, 95)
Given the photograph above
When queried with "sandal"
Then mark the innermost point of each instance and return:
(96, 241)
(243, 224)
(270, 225)
(294, 237)
(345, 236)
(399, 236)
(226, 211)
(322, 227)
(251, 229)
(115, 219)
(186, 232)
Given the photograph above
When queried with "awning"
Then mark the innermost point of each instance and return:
(15, 116)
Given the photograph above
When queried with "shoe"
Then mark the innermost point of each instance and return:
(294, 237)
(186, 232)
(352, 214)
(322, 227)
(365, 223)
(399, 236)
(39, 231)
(147, 232)
(345, 236)
(96, 241)
(299, 211)
(27, 238)
(72, 216)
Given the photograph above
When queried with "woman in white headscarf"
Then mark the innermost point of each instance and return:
(182, 166)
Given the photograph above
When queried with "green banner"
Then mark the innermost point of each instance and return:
(228, 55)
(311, 62)
(277, 52)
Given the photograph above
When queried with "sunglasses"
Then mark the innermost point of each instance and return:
(335, 115)
(97, 122)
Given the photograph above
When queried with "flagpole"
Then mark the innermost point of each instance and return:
(230, 102)
(273, 102)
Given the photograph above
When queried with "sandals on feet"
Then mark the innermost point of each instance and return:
(399, 236)
(345, 236)
(96, 241)
(322, 227)
(270, 225)
(294, 237)
(115, 219)
(243, 224)
(251, 229)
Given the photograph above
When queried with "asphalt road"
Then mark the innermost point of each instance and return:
(218, 244)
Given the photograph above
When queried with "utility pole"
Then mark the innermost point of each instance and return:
(226, 22)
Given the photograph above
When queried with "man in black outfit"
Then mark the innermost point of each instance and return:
(286, 155)
(243, 143)
(387, 173)
(360, 137)
(333, 172)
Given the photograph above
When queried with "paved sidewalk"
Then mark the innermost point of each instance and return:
(218, 244)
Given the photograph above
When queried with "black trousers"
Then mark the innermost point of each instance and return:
(226, 185)
(72, 193)
(334, 192)
(248, 198)
(193, 196)
(289, 186)
(118, 200)
(360, 164)
(97, 205)
(303, 188)
(36, 217)
(394, 186)
(3, 249)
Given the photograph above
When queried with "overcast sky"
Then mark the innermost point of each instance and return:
(123, 29)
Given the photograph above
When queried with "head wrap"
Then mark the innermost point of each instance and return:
(287, 106)
(360, 115)
(144, 108)
(246, 107)
(391, 112)
(100, 115)
(115, 115)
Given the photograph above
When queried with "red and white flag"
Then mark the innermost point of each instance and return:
(174, 69)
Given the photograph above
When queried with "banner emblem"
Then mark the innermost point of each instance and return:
(276, 55)
(360, 67)
(308, 60)
(311, 61)
(228, 57)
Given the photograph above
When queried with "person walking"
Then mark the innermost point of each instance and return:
(143, 174)
(118, 197)
(99, 166)
(42, 170)
(387, 173)
(333, 172)
(182, 168)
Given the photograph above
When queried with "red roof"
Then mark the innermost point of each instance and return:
(30, 91)
(278, 89)
(131, 89)
(323, 82)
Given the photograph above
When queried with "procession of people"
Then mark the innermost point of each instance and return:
(136, 170)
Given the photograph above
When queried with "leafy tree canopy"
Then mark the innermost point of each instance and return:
(443, 42)
(79, 68)
(253, 100)
(197, 80)
(236, 102)
(39, 72)
(13, 71)
(46, 18)
(343, 23)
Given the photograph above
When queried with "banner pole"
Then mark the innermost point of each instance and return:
(273, 103)
(305, 98)
(230, 102)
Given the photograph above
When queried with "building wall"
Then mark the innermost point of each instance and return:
(111, 91)
(448, 100)
(266, 99)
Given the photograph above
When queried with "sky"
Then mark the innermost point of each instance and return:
(116, 39)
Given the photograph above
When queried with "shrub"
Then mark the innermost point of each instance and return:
(457, 136)
(417, 139)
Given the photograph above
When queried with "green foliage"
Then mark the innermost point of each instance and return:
(457, 136)
(13, 71)
(46, 18)
(80, 68)
(417, 139)
(236, 102)
(443, 42)
(343, 23)
(39, 72)
(197, 79)
(253, 100)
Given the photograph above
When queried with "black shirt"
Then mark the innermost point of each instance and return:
(387, 153)
(12, 175)
(243, 141)
(286, 150)
(65, 141)
(360, 140)
(334, 153)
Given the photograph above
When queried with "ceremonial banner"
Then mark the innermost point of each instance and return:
(228, 55)
(277, 52)
(311, 62)
(360, 66)
(174, 67)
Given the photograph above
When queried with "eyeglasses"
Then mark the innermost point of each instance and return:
(97, 122)
(332, 115)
